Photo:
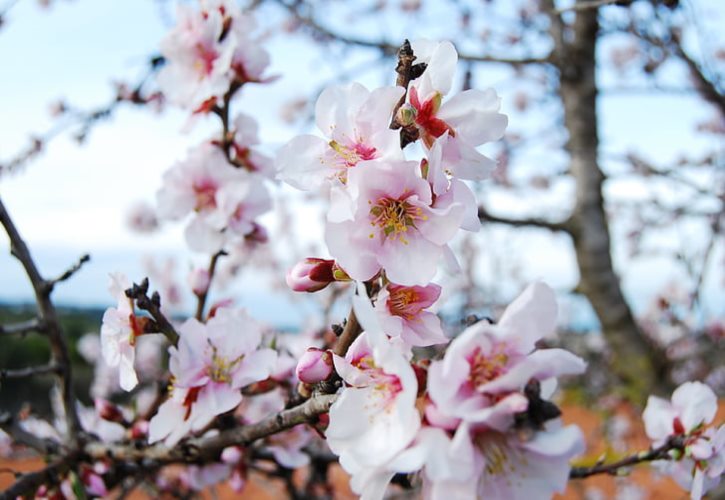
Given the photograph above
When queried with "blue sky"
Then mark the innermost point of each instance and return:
(73, 199)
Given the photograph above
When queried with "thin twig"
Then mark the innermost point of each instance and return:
(23, 327)
(659, 453)
(30, 371)
(27, 485)
(49, 317)
(70, 272)
(208, 448)
(484, 215)
(152, 305)
(201, 298)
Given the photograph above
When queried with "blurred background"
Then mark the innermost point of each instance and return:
(609, 186)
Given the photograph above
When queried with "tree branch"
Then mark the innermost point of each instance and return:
(70, 272)
(30, 371)
(12, 427)
(484, 215)
(201, 298)
(23, 327)
(27, 485)
(208, 448)
(389, 48)
(593, 4)
(49, 317)
(659, 453)
(152, 305)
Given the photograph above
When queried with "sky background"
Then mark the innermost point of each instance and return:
(74, 200)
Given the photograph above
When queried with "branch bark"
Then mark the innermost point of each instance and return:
(49, 317)
(484, 215)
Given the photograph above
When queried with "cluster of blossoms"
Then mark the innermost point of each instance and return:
(473, 421)
(210, 56)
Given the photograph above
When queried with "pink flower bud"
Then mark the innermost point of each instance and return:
(199, 280)
(140, 429)
(311, 275)
(232, 455)
(314, 366)
(108, 411)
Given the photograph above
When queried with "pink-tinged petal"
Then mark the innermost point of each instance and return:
(255, 366)
(337, 107)
(300, 162)
(442, 59)
(658, 417)
(387, 144)
(202, 237)
(128, 377)
(464, 160)
(169, 423)
(539, 365)
(531, 316)
(424, 331)
(342, 207)
(696, 404)
(233, 332)
(214, 399)
(361, 264)
(414, 263)
(444, 219)
(450, 261)
(371, 484)
(474, 116)
(462, 194)
(500, 416)
(375, 113)
(440, 419)
(290, 458)
(698, 483)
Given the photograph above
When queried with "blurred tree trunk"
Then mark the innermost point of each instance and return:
(638, 363)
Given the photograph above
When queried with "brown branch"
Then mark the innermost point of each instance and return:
(152, 305)
(389, 48)
(70, 272)
(23, 327)
(11, 426)
(703, 84)
(659, 453)
(201, 298)
(484, 215)
(208, 448)
(49, 317)
(349, 334)
(30, 371)
(27, 485)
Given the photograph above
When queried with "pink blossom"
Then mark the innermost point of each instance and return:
(693, 406)
(198, 53)
(355, 123)
(375, 416)
(481, 378)
(212, 362)
(314, 366)
(387, 219)
(402, 314)
(199, 280)
(119, 331)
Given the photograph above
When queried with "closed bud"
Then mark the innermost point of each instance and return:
(314, 366)
(311, 275)
(108, 411)
(405, 115)
(199, 280)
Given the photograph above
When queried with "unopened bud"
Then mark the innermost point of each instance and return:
(406, 115)
(314, 366)
(108, 411)
(311, 275)
(199, 280)
(140, 429)
(232, 455)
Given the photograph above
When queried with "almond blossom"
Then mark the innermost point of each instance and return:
(355, 123)
(401, 310)
(470, 118)
(387, 219)
(119, 331)
(481, 378)
(198, 53)
(375, 416)
(211, 364)
(701, 463)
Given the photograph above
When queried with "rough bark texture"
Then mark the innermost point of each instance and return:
(634, 360)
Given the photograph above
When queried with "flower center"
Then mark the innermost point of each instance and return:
(205, 193)
(485, 368)
(394, 217)
(352, 155)
(496, 453)
(221, 368)
(205, 59)
(404, 302)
